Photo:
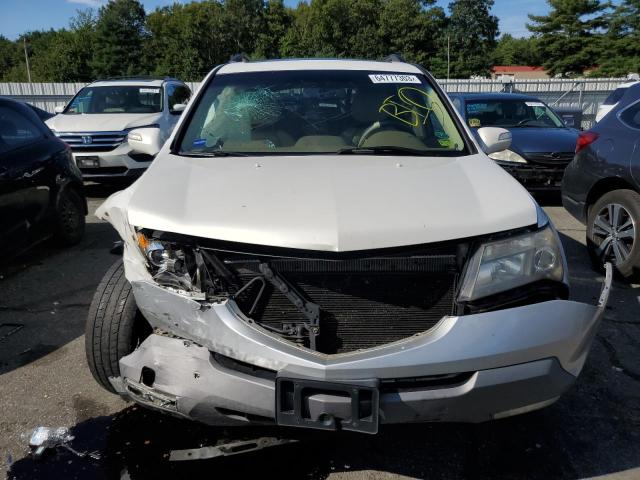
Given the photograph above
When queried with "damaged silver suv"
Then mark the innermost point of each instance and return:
(323, 244)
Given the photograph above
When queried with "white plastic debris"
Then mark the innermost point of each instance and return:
(44, 438)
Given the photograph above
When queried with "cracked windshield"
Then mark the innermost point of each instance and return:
(321, 112)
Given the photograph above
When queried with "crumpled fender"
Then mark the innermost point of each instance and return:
(114, 211)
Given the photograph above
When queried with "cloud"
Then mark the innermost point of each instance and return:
(89, 3)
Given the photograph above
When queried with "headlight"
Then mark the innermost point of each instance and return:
(507, 156)
(513, 262)
(169, 264)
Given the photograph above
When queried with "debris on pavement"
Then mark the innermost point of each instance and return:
(44, 438)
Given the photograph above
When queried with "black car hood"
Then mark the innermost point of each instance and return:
(541, 140)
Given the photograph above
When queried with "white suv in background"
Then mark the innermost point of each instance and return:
(96, 122)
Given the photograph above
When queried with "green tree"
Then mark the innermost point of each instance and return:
(64, 55)
(517, 51)
(334, 28)
(242, 20)
(415, 29)
(276, 22)
(9, 57)
(472, 34)
(119, 34)
(570, 35)
(621, 50)
(173, 46)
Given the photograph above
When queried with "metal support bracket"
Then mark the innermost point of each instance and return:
(227, 449)
(309, 309)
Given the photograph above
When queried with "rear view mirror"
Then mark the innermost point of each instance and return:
(145, 140)
(59, 109)
(494, 139)
(178, 108)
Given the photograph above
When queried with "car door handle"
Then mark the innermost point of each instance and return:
(3, 170)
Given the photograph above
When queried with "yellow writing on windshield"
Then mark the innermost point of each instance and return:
(411, 106)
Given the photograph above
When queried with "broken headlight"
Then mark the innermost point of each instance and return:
(513, 262)
(171, 265)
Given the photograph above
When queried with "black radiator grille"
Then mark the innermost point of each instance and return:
(364, 303)
(552, 159)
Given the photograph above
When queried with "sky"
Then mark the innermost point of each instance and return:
(19, 16)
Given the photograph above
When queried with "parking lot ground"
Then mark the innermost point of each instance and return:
(593, 431)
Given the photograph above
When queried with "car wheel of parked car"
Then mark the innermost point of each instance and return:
(115, 326)
(613, 229)
(69, 222)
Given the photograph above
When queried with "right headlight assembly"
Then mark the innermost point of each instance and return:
(513, 262)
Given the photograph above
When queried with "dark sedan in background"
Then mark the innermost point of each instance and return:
(41, 189)
(542, 145)
(601, 186)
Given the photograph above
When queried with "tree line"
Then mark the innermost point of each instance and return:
(187, 40)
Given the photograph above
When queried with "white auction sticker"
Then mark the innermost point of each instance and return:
(149, 90)
(534, 104)
(393, 78)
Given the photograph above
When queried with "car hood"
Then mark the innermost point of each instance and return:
(325, 202)
(101, 122)
(542, 140)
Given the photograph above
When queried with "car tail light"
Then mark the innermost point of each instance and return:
(585, 139)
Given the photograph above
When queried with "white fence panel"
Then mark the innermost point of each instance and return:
(585, 94)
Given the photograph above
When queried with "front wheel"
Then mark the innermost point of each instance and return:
(115, 326)
(613, 231)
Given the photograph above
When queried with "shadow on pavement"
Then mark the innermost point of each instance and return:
(553, 443)
(103, 190)
(551, 198)
(46, 293)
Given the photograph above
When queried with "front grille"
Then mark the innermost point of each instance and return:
(93, 141)
(364, 303)
(559, 159)
(104, 171)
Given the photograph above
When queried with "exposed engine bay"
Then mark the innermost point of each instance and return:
(329, 305)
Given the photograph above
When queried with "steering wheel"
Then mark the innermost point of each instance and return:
(526, 120)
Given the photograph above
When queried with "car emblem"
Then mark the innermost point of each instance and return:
(87, 140)
(555, 155)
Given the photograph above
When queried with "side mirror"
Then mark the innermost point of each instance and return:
(178, 108)
(494, 139)
(145, 140)
(59, 109)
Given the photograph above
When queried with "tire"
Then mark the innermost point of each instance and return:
(115, 327)
(69, 218)
(613, 231)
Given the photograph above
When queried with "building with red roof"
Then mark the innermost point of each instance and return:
(519, 72)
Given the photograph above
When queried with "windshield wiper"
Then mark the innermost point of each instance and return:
(213, 153)
(378, 150)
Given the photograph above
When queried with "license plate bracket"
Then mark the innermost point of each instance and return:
(328, 405)
(88, 162)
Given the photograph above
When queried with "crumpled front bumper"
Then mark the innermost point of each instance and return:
(504, 362)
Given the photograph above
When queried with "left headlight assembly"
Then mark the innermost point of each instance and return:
(172, 265)
(513, 262)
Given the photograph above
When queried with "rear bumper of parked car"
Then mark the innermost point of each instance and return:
(535, 177)
(113, 164)
(216, 368)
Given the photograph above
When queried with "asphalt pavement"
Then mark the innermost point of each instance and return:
(593, 431)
